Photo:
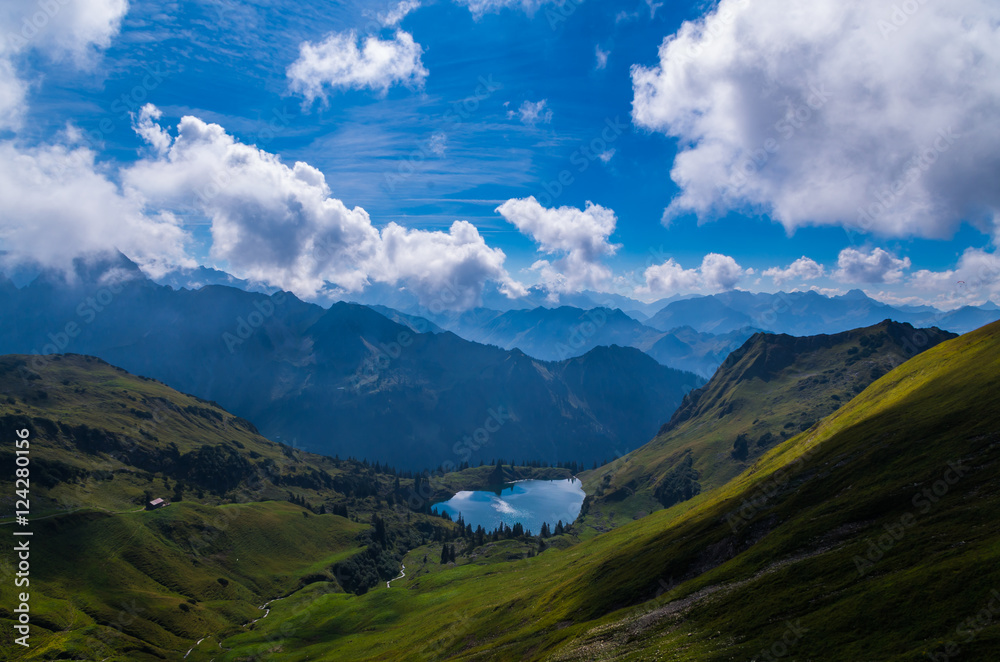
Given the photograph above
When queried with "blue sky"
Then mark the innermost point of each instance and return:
(506, 99)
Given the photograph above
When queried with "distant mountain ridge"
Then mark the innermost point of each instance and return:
(553, 331)
(347, 380)
(808, 313)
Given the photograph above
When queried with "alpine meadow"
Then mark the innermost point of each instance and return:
(499, 330)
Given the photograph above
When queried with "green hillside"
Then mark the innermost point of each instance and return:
(769, 390)
(113, 581)
(783, 561)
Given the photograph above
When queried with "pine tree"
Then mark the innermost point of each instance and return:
(444, 554)
(497, 477)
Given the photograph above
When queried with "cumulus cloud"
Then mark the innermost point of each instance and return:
(976, 278)
(338, 62)
(146, 127)
(13, 96)
(394, 16)
(280, 225)
(532, 112)
(841, 112)
(802, 269)
(58, 205)
(579, 237)
(60, 30)
(717, 273)
(602, 57)
(876, 266)
(447, 270)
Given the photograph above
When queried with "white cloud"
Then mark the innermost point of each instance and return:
(814, 114)
(876, 266)
(532, 112)
(580, 237)
(146, 127)
(717, 273)
(438, 143)
(602, 57)
(338, 62)
(828, 291)
(445, 270)
(606, 155)
(802, 269)
(59, 28)
(394, 16)
(60, 31)
(974, 279)
(59, 205)
(13, 96)
(280, 225)
(481, 7)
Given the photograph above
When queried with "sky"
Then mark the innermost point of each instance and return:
(644, 148)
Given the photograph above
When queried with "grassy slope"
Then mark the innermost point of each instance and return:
(692, 583)
(771, 389)
(108, 578)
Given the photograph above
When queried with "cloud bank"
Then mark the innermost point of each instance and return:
(879, 117)
(280, 225)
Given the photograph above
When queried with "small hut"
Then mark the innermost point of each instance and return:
(157, 503)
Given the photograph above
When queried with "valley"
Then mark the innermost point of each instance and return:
(499, 331)
(798, 519)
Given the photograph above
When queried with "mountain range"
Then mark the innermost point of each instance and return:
(347, 380)
(866, 535)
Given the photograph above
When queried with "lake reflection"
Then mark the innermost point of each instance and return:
(530, 502)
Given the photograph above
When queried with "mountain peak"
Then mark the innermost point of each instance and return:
(855, 294)
(94, 269)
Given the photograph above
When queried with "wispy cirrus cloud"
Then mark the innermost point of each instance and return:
(532, 112)
(396, 14)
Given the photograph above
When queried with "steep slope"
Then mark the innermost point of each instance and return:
(112, 581)
(868, 537)
(345, 381)
(768, 390)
